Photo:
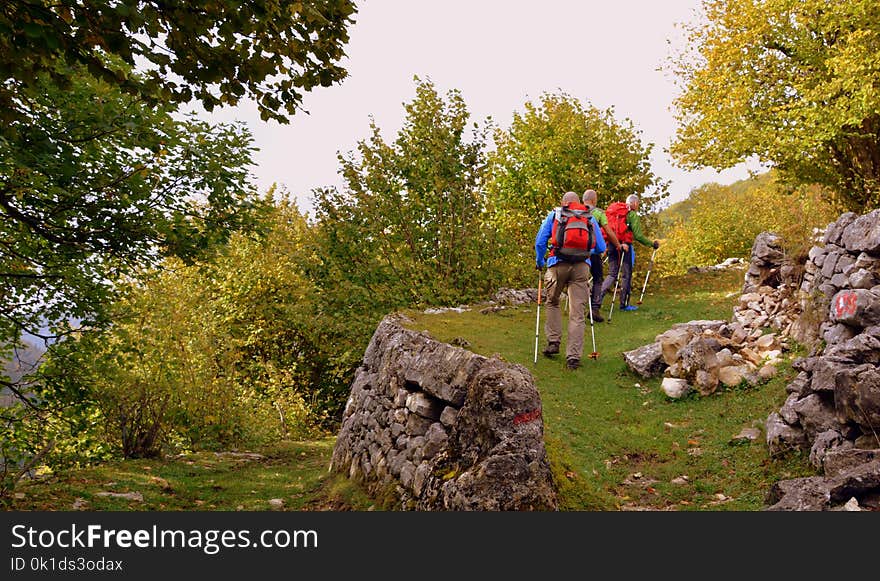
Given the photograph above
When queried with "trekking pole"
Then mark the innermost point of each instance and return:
(614, 297)
(594, 354)
(538, 318)
(644, 286)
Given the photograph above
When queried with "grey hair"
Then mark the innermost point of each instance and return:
(632, 198)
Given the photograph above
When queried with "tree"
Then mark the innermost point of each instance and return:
(559, 145)
(718, 222)
(409, 225)
(97, 185)
(220, 352)
(792, 83)
(213, 51)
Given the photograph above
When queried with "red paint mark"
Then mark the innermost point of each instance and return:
(845, 305)
(526, 417)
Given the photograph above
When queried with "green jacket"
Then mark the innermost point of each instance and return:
(634, 221)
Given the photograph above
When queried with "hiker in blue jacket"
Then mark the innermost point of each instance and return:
(561, 273)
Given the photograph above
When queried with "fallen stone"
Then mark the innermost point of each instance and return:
(747, 435)
(767, 372)
(276, 503)
(706, 382)
(671, 341)
(646, 361)
(675, 387)
(731, 376)
(133, 496)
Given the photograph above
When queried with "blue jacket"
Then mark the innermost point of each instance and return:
(543, 238)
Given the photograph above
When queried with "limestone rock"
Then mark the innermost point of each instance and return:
(767, 372)
(646, 361)
(748, 434)
(834, 231)
(827, 440)
(816, 414)
(671, 341)
(782, 437)
(857, 397)
(863, 279)
(674, 387)
(732, 375)
(818, 493)
(863, 234)
(839, 460)
(857, 307)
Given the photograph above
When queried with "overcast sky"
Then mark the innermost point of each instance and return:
(499, 54)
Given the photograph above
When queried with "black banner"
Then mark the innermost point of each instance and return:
(169, 545)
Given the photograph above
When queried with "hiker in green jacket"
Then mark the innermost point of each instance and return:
(590, 199)
(624, 220)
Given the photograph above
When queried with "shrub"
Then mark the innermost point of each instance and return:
(722, 222)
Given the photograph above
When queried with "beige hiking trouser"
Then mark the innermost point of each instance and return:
(576, 275)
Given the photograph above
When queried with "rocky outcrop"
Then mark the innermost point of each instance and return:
(443, 428)
(833, 407)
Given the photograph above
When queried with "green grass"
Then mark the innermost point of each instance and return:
(295, 472)
(615, 441)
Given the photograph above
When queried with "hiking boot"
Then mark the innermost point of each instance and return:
(629, 308)
(572, 363)
(551, 349)
(597, 317)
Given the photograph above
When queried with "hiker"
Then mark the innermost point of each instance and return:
(590, 200)
(568, 264)
(624, 219)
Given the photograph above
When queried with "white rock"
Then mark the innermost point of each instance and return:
(852, 505)
(276, 503)
(675, 387)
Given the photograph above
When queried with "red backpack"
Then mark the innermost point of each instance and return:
(616, 214)
(572, 235)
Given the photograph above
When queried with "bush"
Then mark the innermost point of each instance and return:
(721, 222)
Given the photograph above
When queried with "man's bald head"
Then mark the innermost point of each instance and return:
(591, 198)
(570, 198)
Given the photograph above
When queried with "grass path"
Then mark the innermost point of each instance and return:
(615, 441)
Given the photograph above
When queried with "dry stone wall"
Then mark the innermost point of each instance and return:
(833, 404)
(443, 428)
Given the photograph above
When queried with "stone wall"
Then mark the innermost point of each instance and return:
(442, 428)
(833, 404)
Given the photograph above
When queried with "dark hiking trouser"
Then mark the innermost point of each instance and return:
(576, 276)
(596, 295)
(614, 265)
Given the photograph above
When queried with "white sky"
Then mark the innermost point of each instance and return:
(499, 54)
